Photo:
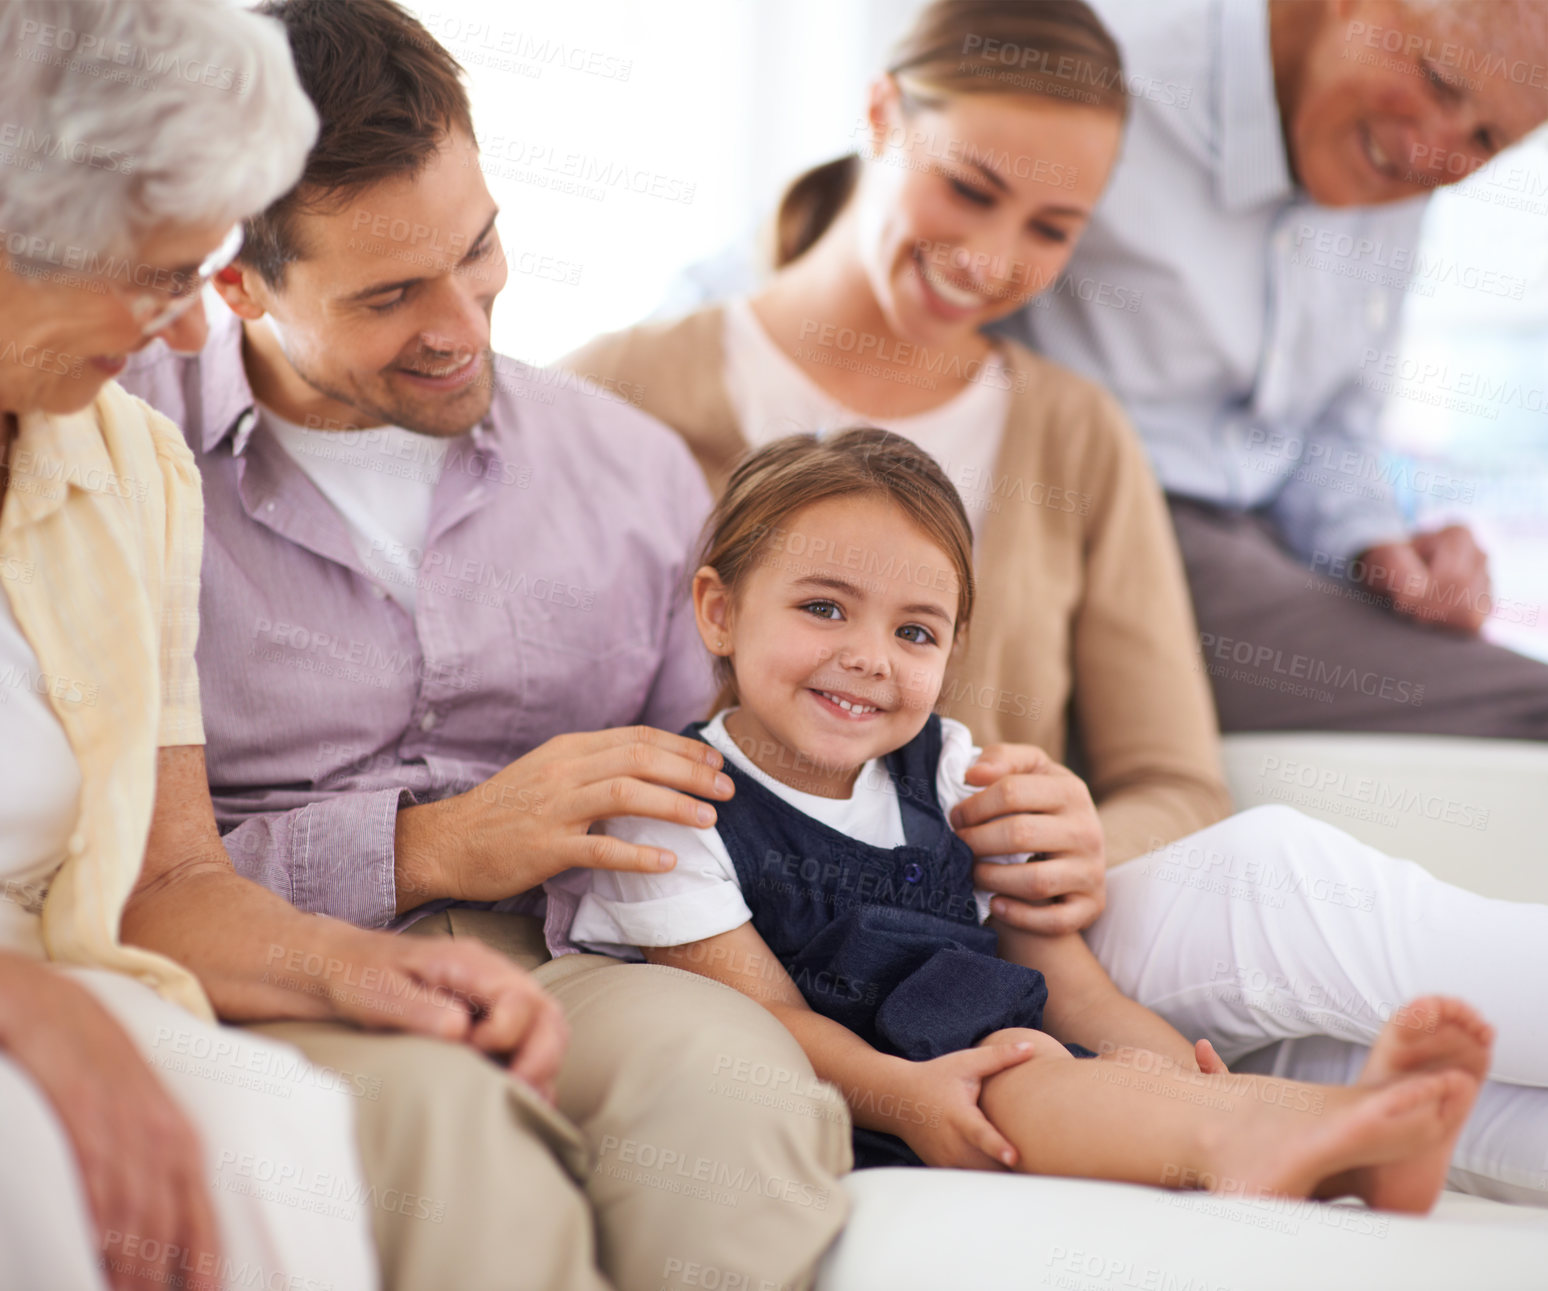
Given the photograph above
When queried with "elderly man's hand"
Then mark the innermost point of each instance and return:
(1440, 578)
(461, 991)
(141, 1163)
(1032, 804)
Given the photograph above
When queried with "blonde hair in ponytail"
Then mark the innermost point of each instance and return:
(1049, 49)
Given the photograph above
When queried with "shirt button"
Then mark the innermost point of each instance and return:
(912, 873)
(428, 721)
(1376, 311)
(378, 591)
(77, 843)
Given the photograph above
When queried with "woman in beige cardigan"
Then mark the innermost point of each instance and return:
(1284, 941)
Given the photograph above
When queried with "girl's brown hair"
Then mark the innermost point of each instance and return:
(1049, 49)
(788, 475)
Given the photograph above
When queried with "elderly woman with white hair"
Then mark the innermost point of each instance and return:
(146, 1145)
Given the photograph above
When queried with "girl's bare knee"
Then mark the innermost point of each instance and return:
(1044, 1045)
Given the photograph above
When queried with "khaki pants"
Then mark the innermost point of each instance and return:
(692, 1145)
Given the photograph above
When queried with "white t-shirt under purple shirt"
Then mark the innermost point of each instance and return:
(382, 482)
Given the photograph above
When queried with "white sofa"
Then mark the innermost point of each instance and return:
(1475, 812)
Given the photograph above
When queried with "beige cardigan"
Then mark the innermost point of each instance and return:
(1083, 640)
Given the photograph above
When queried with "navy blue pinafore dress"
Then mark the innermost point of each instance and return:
(884, 940)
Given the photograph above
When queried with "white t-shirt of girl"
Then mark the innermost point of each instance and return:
(700, 897)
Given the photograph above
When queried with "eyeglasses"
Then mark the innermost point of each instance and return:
(154, 308)
(157, 310)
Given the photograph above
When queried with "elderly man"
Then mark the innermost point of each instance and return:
(440, 592)
(1263, 227)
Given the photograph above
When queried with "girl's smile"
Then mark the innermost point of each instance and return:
(851, 707)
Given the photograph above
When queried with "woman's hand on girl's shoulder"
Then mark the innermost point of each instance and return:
(1030, 804)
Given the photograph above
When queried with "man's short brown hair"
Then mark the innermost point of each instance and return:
(388, 95)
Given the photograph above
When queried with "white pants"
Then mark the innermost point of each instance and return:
(279, 1148)
(1288, 944)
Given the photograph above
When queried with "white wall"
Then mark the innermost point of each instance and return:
(680, 121)
(1472, 409)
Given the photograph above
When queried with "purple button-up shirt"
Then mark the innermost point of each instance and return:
(552, 598)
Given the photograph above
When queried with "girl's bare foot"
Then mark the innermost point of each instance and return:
(1353, 1128)
(1432, 1034)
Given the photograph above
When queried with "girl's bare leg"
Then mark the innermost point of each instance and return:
(1145, 1122)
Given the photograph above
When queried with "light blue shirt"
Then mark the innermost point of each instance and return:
(1245, 328)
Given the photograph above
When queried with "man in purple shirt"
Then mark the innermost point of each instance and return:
(437, 586)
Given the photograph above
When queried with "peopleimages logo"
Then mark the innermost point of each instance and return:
(1459, 61)
(1269, 663)
(1025, 66)
(1374, 259)
(39, 250)
(96, 56)
(1412, 378)
(1366, 790)
(28, 141)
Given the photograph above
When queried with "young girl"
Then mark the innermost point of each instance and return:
(836, 582)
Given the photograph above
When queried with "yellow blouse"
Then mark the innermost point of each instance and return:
(100, 540)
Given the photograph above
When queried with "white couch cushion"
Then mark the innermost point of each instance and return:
(1472, 812)
(943, 1230)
